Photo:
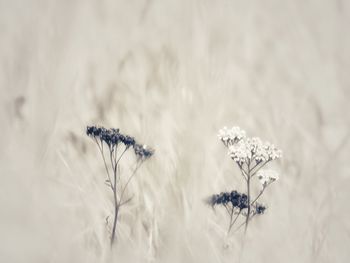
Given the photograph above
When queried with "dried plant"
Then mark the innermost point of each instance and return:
(250, 155)
(117, 145)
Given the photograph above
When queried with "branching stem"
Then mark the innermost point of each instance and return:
(100, 147)
(131, 176)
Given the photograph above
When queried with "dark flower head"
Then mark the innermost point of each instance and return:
(212, 200)
(93, 131)
(142, 152)
(236, 199)
(260, 209)
(110, 137)
(243, 201)
(220, 199)
(113, 136)
(116, 131)
(90, 130)
(128, 141)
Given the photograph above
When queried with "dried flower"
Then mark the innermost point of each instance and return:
(143, 151)
(93, 131)
(113, 138)
(259, 209)
(234, 198)
(128, 141)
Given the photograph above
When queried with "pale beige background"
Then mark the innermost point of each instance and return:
(172, 73)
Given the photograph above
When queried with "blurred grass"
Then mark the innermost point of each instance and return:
(172, 73)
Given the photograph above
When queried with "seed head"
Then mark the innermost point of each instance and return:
(143, 152)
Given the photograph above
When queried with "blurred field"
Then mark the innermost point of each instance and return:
(172, 73)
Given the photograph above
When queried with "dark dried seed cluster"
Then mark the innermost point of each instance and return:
(237, 200)
(259, 209)
(112, 137)
(142, 151)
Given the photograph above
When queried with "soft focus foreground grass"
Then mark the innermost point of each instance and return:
(172, 73)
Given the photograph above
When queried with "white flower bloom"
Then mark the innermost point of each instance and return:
(224, 134)
(254, 143)
(257, 148)
(237, 133)
(243, 149)
(272, 151)
(267, 176)
(231, 136)
(240, 152)
(263, 151)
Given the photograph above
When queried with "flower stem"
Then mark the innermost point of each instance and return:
(116, 210)
(116, 206)
(248, 212)
(232, 222)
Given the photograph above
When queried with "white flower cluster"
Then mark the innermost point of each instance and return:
(231, 136)
(243, 149)
(239, 152)
(262, 151)
(267, 177)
